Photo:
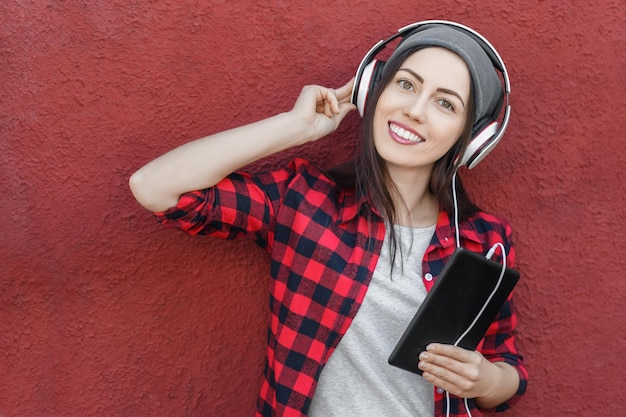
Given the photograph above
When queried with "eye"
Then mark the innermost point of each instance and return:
(446, 104)
(405, 84)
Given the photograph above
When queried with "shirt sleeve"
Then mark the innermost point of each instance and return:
(499, 345)
(238, 205)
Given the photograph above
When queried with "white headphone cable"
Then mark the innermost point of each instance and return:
(493, 292)
(456, 209)
(489, 255)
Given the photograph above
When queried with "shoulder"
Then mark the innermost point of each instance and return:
(303, 184)
(480, 230)
(491, 229)
(475, 227)
(485, 222)
(298, 169)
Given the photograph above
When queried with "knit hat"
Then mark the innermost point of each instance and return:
(487, 87)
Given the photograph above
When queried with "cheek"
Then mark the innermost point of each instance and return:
(451, 130)
(379, 126)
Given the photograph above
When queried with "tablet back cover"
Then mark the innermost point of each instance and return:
(464, 285)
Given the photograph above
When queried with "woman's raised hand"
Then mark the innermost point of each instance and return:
(322, 109)
(204, 162)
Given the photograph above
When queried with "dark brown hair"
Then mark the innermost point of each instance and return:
(368, 173)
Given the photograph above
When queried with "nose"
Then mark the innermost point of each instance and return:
(415, 108)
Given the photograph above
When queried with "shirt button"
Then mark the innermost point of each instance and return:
(439, 391)
(428, 276)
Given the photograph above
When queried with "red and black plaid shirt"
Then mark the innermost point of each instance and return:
(324, 244)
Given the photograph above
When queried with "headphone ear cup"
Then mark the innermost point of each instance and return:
(480, 146)
(370, 77)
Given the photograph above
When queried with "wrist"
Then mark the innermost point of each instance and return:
(503, 383)
(295, 129)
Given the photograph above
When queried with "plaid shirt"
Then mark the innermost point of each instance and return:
(324, 244)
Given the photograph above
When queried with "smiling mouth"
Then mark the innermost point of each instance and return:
(404, 134)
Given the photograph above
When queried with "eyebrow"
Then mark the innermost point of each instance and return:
(443, 90)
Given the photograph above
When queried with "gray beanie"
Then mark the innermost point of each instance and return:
(488, 90)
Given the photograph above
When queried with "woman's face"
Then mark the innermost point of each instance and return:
(421, 113)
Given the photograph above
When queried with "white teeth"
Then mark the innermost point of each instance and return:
(404, 134)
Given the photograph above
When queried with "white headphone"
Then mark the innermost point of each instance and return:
(486, 133)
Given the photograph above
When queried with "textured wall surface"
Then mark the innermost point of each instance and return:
(104, 313)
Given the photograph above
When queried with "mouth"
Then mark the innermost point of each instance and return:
(404, 134)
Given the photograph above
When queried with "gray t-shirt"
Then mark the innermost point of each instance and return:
(357, 381)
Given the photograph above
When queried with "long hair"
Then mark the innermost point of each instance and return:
(369, 175)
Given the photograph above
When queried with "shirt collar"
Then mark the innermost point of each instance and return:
(353, 204)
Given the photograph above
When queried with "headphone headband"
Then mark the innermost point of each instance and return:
(489, 133)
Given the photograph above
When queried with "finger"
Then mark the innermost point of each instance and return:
(438, 363)
(345, 108)
(312, 94)
(451, 351)
(321, 100)
(445, 378)
(331, 97)
(440, 366)
(328, 108)
(461, 368)
(328, 102)
(344, 92)
(445, 385)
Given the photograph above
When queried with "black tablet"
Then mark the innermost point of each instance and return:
(461, 305)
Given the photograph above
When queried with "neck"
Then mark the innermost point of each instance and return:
(415, 205)
(421, 212)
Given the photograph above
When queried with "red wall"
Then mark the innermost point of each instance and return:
(104, 313)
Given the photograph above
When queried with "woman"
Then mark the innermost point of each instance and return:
(355, 250)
